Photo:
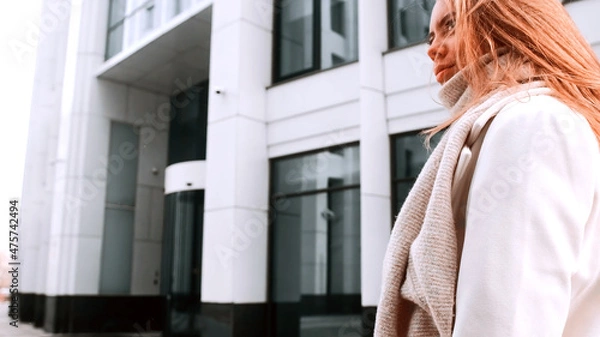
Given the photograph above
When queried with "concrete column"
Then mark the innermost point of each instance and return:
(75, 238)
(234, 268)
(41, 146)
(375, 178)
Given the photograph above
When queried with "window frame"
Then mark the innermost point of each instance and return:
(278, 6)
(390, 29)
(390, 20)
(110, 28)
(271, 317)
(276, 77)
(128, 14)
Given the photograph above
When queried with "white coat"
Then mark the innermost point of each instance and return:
(530, 263)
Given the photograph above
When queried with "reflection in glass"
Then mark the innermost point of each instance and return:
(339, 29)
(117, 11)
(182, 261)
(187, 130)
(410, 21)
(121, 184)
(314, 34)
(117, 252)
(311, 172)
(149, 13)
(122, 165)
(296, 37)
(316, 267)
(315, 244)
(116, 19)
(409, 158)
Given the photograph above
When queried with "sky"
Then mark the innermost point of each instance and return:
(18, 23)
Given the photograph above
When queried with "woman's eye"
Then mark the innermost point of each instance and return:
(450, 24)
(430, 40)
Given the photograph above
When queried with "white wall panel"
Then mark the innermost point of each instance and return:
(141, 105)
(220, 249)
(417, 122)
(313, 93)
(110, 99)
(372, 246)
(221, 150)
(254, 69)
(93, 147)
(251, 165)
(407, 68)
(325, 121)
(224, 70)
(414, 101)
(152, 156)
(337, 137)
(249, 262)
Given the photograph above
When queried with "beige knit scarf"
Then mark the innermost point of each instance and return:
(420, 267)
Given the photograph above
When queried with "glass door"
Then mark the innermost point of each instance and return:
(182, 262)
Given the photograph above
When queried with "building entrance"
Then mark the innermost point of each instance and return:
(182, 262)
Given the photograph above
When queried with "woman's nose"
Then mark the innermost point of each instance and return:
(436, 50)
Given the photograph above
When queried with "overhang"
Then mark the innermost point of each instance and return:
(170, 58)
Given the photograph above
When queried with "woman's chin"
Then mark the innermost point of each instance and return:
(445, 75)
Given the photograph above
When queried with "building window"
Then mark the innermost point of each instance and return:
(180, 6)
(116, 23)
(187, 130)
(308, 33)
(338, 11)
(315, 243)
(149, 24)
(121, 186)
(409, 156)
(409, 21)
(129, 21)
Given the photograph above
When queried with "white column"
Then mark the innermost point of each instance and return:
(234, 268)
(45, 111)
(375, 178)
(76, 223)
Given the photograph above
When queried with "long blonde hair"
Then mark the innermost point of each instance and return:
(537, 33)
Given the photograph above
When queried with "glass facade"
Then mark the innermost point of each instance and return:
(314, 34)
(315, 243)
(409, 156)
(182, 261)
(121, 184)
(116, 23)
(131, 20)
(409, 21)
(183, 221)
(187, 130)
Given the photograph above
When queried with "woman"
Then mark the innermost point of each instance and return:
(500, 236)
